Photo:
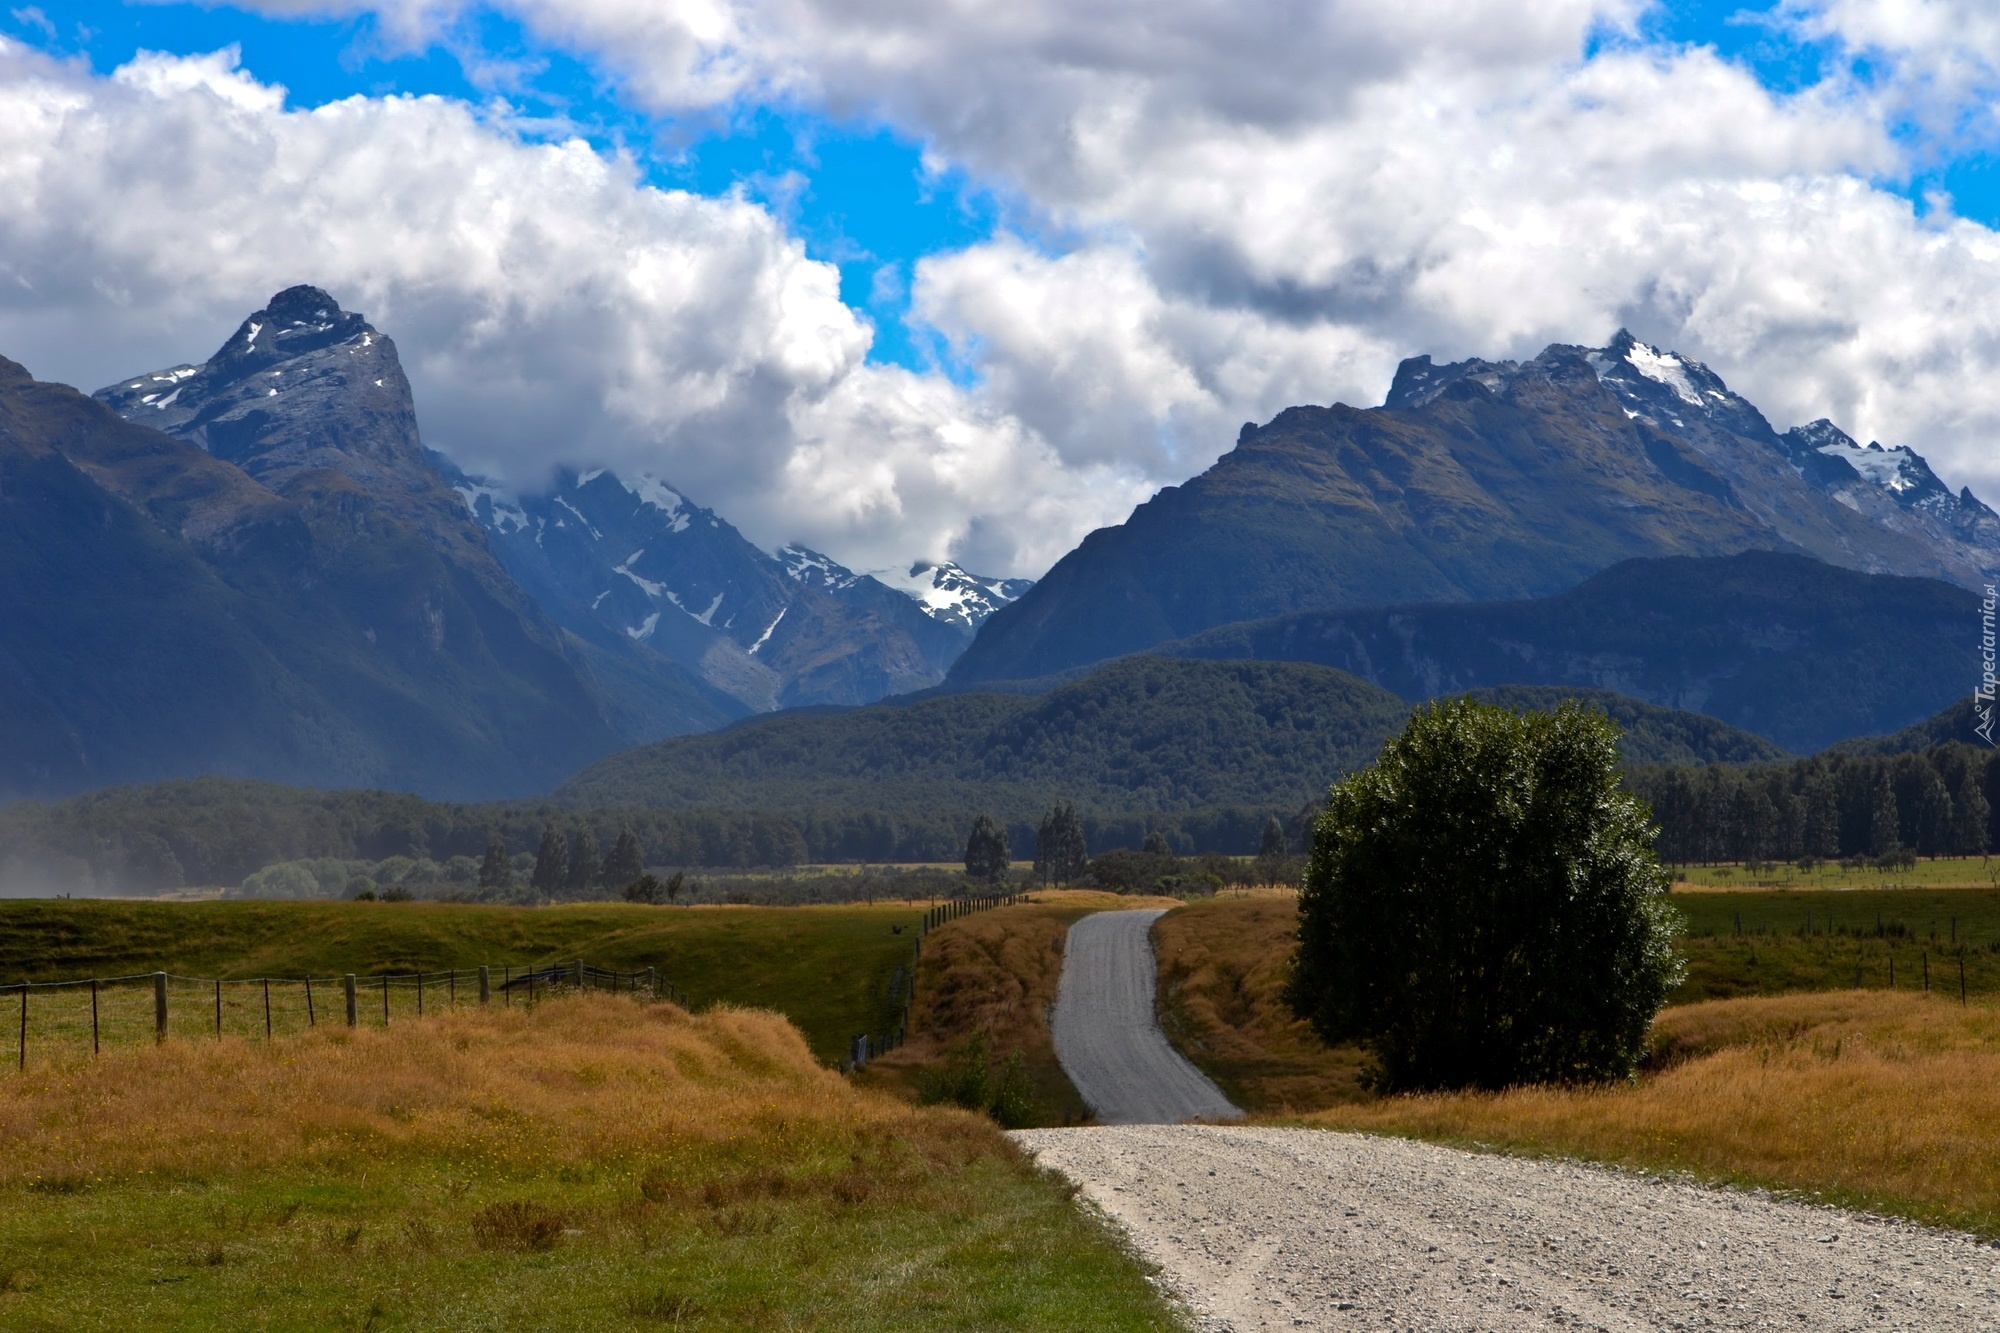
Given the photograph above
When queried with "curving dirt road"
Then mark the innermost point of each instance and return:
(1263, 1228)
(1106, 1034)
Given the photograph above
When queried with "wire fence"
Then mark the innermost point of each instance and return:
(903, 984)
(54, 1019)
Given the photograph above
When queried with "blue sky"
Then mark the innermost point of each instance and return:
(856, 194)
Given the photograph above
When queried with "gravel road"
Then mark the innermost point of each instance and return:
(1260, 1228)
(1107, 1037)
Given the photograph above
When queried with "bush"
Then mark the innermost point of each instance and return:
(1483, 906)
(966, 1079)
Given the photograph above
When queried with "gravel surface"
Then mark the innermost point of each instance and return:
(1106, 1034)
(1260, 1228)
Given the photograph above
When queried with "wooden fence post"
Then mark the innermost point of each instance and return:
(385, 999)
(652, 983)
(24, 1027)
(312, 1020)
(353, 1008)
(267, 1008)
(579, 973)
(485, 985)
(159, 1006)
(218, 1008)
(93, 1016)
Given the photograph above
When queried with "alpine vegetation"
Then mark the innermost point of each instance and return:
(1483, 906)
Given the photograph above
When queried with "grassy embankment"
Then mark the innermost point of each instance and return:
(828, 969)
(1765, 1070)
(599, 1164)
(993, 976)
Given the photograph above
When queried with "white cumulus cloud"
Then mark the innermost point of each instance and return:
(549, 306)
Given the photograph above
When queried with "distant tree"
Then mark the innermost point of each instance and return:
(583, 872)
(1822, 817)
(1483, 906)
(645, 889)
(494, 872)
(627, 861)
(1271, 852)
(1933, 814)
(551, 862)
(987, 856)
(1156, 844)
(1061, 853)
(1970, 816)
(1885, 821)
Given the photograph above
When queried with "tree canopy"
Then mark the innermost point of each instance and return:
(1483, 906)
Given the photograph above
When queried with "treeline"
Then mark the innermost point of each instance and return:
(216, 831)
(1943, 801)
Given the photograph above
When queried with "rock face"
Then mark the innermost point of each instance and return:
(1479, 481)
(634, 560)
(1786, 647)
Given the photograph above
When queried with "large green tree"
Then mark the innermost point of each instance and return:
(1483, 906)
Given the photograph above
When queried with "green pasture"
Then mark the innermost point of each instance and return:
(1940, 872)
(828, 969)
(1818, 939)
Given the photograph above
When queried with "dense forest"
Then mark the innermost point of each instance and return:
(1838, 805)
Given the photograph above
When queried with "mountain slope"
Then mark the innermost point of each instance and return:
(1480, 481)
(1143, 735)
(1800, 652)
(168, 614)
(635, 561)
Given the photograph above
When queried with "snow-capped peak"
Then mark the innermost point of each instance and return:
(805, 565)
(949, 593)
(1900, 471)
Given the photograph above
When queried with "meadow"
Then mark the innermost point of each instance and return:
(597, 1163)
(829, 969)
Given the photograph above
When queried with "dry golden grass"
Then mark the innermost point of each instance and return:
(1222, 976)
(594, 1163)
(591, 1078)
(1883, 1099)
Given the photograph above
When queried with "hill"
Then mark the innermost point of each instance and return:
(1476, 482)
(1803, 653)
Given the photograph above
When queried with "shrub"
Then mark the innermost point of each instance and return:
(1483, 906)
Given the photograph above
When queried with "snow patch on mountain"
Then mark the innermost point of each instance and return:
(807, 566)
(949, 593)
(501, 512)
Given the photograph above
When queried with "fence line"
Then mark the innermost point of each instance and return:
(860, 1047)
(116, 1009)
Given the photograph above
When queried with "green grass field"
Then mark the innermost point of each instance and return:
(1942, 872)
(828, 969)
(1807, 940)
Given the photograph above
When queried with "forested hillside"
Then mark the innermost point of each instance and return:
(1203, 752)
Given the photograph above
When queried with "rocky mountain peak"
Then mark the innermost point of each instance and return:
(301, 387)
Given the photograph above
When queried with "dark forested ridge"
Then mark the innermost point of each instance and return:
(1203, 752)
(1801, 652)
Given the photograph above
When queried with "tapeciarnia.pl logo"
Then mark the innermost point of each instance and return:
(1982, 698)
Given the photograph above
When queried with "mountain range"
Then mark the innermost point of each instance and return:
(252, 566)
(1484, 481)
